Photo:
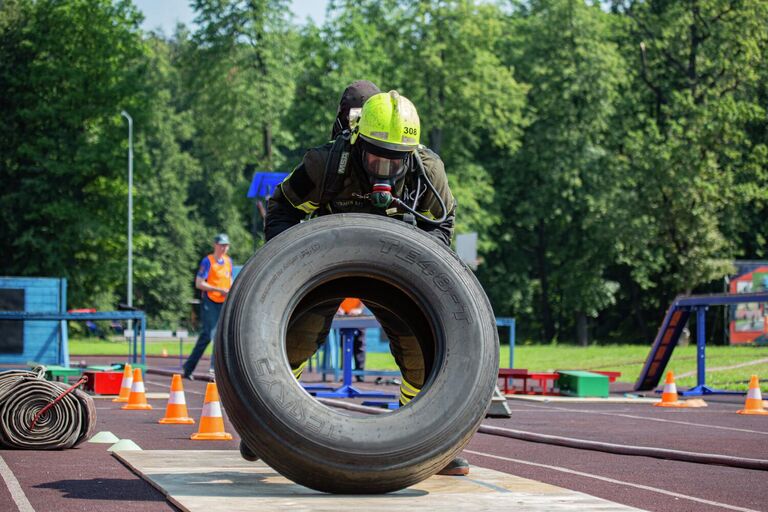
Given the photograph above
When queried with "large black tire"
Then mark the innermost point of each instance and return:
(383, 262)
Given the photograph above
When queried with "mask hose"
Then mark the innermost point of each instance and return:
(422, 173)
(381, 196)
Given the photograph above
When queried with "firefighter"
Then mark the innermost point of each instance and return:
(375, 165)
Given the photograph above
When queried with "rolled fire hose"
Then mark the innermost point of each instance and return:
(36, 414)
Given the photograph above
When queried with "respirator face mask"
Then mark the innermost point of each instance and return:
(383, 169)
(381, 164)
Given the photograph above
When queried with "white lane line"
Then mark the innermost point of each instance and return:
(167, 386)
(17, 493)
(721, 368)
(716, 427)
(613, 481)
(661, 420)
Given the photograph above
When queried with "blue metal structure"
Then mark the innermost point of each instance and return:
(328, 360)
(44, 341)
(104, 315)
(264, 183)
(346, 325)
(509, 323)
(669, 334)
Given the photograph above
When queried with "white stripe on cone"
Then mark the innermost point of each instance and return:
(177, 397)
(754, 393)
(127, 382)
(670, 388)
(138, 387)
(212, 410)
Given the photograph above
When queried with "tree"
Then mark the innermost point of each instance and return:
(239, 72)
(442, 56)
(471, 105)
(167, 234)
(353, 44)
(561, 185)
(688, 151)
(66, 71)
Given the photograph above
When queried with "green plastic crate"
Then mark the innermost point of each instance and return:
(103, 368)
(54, 372)
(121, 366)
(582, 384)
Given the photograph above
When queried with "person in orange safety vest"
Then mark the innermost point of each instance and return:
(352, 306)
(213, 279)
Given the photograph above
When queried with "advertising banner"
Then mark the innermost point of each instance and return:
(749, 321)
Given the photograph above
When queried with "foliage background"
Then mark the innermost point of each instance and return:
(610, 155)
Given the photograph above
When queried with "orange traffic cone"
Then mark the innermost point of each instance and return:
(669, 395)
(176, 410)
(754, 403)
(125, 385)
(211, 421)
(137, 400)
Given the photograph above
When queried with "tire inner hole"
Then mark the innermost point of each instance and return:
(398, 310)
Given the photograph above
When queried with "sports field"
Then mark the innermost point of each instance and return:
(728, 367)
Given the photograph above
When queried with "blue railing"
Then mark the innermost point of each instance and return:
(103, 315)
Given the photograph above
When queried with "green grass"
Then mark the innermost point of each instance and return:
(623, 358)
(95, 347)
(627, 359)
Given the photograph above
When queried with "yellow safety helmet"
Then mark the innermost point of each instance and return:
(390, 121)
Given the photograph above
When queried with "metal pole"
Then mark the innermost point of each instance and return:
(512, 343)
(130, 207)
(143, 338)
(701, 341)
(347, 340)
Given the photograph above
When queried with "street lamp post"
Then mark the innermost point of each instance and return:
(130, 206)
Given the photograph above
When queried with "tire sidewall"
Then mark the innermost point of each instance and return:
(291, 426)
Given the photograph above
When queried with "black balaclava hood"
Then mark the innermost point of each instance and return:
(353, 97)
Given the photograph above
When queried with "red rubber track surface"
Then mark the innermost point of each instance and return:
(88, 478)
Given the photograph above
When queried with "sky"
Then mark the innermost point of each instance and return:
(166, 13)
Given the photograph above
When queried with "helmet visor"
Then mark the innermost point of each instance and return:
(384, 168)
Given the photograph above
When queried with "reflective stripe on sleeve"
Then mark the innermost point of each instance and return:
(427, 214)
(298, 371)
(306, 207)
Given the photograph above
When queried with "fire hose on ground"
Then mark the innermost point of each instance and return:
(36, 414)
(584, 444)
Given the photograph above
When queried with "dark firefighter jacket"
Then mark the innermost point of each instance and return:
(301, 194)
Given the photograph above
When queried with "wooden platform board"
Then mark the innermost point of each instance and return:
(220, 480)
